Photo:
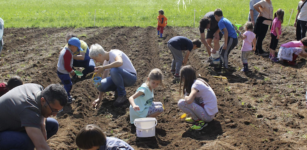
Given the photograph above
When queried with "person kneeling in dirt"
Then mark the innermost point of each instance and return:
(82, 58)
(12, 83)
(91, 137)
(121, 69)
(178, 44)
(65, 64)
(289, 52)
(200, 101)
(24, 116)
(142, 104)
(213, 32)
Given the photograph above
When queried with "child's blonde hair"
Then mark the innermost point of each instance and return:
(280, 14)
(249, 26)
(155, 74)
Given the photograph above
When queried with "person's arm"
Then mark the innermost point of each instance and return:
(43, 127)
(277, 32)
(134, 96)
(37, 138)
(105, 74)
(190, 99)
(254, 44)
(203, 40)
(225, 38)
(298, 12)
(303, 53)
(186, 57)
(80, 57)
(67, 58)
(117, 63)
(243, 36)
(251, 12)
(257, 7)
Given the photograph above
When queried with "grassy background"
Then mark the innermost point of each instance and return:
(77, 13)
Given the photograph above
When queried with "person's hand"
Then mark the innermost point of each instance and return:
(43, 128)
(136, 107)
(73, 73)
(213, 51)
(278, 36)
(254, 48)
(295, 24)
(253, 22)
(96, 103)
(99, 69)
(225, 46)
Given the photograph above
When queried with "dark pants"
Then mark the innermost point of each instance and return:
(303, 25)
(274, 42)
(66, 81)
(88, 65)
(15, 140)
(231, 44)
(298, 30)
(260, 31)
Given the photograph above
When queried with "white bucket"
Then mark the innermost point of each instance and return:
(145, 127)
(216, 58)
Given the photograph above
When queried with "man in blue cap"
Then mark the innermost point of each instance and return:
(65, 64)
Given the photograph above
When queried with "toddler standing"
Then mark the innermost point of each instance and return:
(276, 32)
(162, 22)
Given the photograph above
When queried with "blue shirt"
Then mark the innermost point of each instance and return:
(181, 43)
(251, 7)
(143, 101)
(225, 23)
(115, 144)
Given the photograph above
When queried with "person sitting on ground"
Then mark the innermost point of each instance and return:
(162, 22)
(295, 49)
(230, 37)
(249, 44)
(121, 69)
(82, 58)
(199, 102)
(178, 44)
(65, 64)
(24, 116)
(142, 104)
(11, 83)
(213, 32)
(91, 137)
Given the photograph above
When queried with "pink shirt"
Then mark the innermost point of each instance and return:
(292, 44)
(276, 24)
(248, 41)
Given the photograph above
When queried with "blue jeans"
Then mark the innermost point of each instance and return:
(66, 81)
(15, 140)
(119, 79)
(88, 65)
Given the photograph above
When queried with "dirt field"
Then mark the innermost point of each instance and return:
(264, 109)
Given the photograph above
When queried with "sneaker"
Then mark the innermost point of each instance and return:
(274, 59)
(199, 125)
(189, 120)
(120, 100)
(70, 100)
(209, 60)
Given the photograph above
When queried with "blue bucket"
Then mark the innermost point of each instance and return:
(97, 80)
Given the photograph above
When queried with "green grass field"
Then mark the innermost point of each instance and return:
(81, 13)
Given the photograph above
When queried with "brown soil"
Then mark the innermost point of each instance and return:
(264, 109)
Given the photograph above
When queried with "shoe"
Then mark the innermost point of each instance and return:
(209, 60)
(120, 100)
(264, 54)
(173, 72)
(189, 120)
(70, 100)
(199, 125)
(176, 79)
(274, 59)
(160, 35)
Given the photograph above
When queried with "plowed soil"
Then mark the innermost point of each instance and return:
(263, 109)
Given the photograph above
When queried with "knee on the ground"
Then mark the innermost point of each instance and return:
(181, 103)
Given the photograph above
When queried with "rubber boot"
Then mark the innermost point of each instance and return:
(161, 35)
(158, 32)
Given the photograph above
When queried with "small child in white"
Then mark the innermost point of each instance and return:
(142, 104)
(248, 40)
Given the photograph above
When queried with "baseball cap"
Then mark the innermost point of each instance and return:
(75, 42)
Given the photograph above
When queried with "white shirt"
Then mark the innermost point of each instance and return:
(303, 13)
(127, 64)
(207, 96)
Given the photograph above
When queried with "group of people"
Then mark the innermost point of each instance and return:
(26, 109)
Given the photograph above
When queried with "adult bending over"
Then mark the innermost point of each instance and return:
(121, 69)
(24, 113)
(213, 32)
(265, 9)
